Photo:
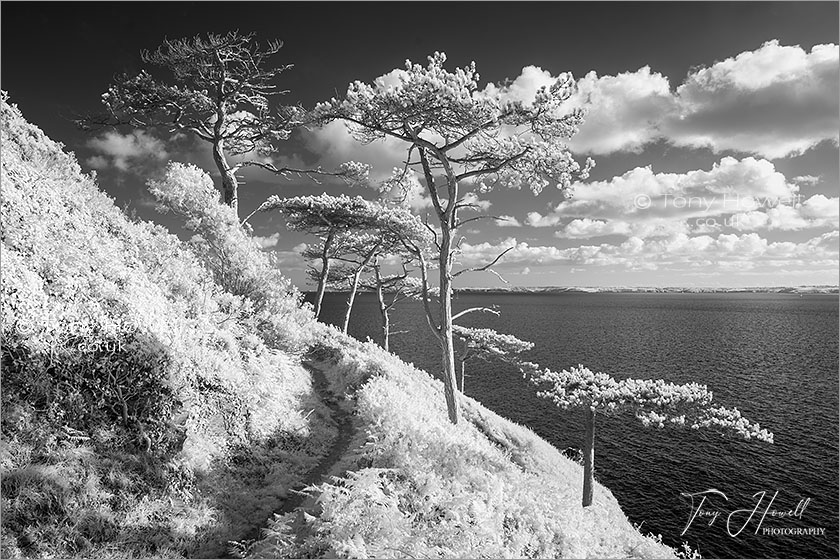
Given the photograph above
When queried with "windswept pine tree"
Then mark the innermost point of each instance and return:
(487, 345)
(653, 402)
(223, 90)
(353, 231)
(463, 140)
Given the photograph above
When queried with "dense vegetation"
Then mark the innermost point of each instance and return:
(422, 487)
(154, 401)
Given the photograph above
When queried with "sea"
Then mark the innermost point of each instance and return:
(773, 356)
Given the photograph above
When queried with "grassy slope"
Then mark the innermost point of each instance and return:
(225, 428)
(420, 487)
(101, 312)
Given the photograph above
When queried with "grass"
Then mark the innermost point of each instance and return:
(421, 487)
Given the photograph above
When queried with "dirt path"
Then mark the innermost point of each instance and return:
(327, 466)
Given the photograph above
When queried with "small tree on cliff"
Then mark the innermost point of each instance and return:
(653, 402)
(463, 139)
(488, 345)
(352, 230)
(222, 93)
(332, 219)
(393, 230)
(391, 289)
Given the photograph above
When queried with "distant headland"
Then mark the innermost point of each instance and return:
(651, 289)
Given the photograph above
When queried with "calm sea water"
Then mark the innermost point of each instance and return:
(774, 356)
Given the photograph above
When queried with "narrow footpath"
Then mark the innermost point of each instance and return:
(329, 465)
(326, 466)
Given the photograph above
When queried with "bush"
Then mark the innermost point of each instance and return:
(238, 264)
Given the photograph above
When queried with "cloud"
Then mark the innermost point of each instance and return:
(775, 101)
(290, 260)
(524, 87)
(126, 151)
(472, 202)
(816, 212)
(624, 111)
(535, 219)
(335, 145)
(266, 242)
(585, 228)
(98, 162)
(806, 180)
(641, 203)
(725, 252)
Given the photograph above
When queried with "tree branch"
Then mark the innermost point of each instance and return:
(486, 266)
(495, 169)
(473, 310)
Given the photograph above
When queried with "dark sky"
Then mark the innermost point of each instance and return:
(58, 58)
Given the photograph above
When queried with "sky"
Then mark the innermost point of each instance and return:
(714, 125)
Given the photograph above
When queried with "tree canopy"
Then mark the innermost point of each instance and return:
(351, 229)
(222, 90)
(487, 344)
(653, 402)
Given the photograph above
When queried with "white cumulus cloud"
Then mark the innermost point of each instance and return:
(775, 101)
(724, 252)
(642, 203)
(266, 242)
(624, 111)
(124, 151)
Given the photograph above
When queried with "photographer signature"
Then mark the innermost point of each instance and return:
(737, 520)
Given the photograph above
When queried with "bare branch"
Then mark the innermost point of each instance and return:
(486, 266)
(474, 310)
(499, 276)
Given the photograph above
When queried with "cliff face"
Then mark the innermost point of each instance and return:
(148, 408)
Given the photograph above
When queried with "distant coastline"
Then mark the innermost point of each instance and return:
(652, 289)
(821, 289)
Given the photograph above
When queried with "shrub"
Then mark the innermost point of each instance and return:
(237, 263)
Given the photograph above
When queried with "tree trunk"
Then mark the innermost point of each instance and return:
(588, 455)
(383, 310)
(354, 286)
(447, 346)
(230, 185)
(463, 368)
(325, 271)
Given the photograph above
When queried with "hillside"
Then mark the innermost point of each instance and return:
(158, 399)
